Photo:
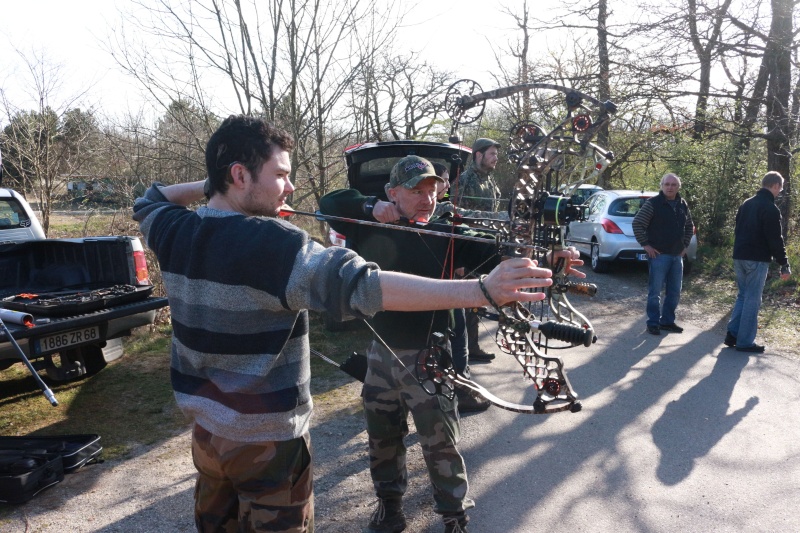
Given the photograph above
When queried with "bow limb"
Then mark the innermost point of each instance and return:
(515, 336)
(538, 408)
(437, 376)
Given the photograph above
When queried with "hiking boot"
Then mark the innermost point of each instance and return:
(730, 340)
(470, 404)
(388, 517)
(456, 524)
(675, 328)
(480, 355)
(654, 330)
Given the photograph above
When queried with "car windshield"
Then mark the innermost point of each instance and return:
(626, 207)
(383, 166)
(12, 214)
(379, 166)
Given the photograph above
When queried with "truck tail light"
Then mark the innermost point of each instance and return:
(610, 226)
(140, 262)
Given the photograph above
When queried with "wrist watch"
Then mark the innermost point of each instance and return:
(369, 205)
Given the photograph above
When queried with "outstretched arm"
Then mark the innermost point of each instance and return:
(405, 292)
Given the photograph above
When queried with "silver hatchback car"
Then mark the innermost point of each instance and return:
(607, 233)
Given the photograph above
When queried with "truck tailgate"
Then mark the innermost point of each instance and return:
(58, 324)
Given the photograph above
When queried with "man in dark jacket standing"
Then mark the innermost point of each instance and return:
(758, 241)
(664, 228)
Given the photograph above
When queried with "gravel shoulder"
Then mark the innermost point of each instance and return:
(152, 490)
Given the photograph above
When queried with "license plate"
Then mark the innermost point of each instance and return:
(641, 257)
(59, 341)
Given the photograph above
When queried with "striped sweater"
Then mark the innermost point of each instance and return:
(238, 290)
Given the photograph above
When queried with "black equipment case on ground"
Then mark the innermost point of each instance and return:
(30, 464)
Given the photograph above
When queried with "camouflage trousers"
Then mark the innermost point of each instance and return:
(389, 393)
(244, 487)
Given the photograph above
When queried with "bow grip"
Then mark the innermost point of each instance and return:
(566, 333)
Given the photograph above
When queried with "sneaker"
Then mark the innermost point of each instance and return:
(470, 404)
(756, 348)
(480, 355)
(675, 328)
(456, 524)
(388, 517)
(730, 340)
(653, 330)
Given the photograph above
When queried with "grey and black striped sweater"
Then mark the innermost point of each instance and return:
(238, 290)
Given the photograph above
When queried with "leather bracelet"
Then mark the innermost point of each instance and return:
(369, 205)
(486, 293)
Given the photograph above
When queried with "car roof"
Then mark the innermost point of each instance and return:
(371, 150)
(628, 192)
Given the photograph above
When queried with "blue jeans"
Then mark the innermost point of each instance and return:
(750, 278)
(665, 270)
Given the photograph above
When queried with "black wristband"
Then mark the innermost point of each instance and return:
(485, 292)
(369, 205)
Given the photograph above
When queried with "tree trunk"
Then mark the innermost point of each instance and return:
(779, 64)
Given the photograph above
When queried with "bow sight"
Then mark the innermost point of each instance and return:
(554, 210)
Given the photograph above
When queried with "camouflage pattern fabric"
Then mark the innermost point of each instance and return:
(389, 394)
(244, 487)
(475, 189)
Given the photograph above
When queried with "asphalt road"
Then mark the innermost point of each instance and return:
(677, 433)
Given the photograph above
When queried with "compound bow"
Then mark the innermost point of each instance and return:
(550, 166)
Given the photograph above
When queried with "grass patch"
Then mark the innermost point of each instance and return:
(130, 402)
(712, 286)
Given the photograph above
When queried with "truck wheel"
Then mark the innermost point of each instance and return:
(598, 265)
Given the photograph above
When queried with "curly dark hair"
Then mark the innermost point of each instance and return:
(242, 139)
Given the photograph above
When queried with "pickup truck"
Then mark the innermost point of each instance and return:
(84, 295)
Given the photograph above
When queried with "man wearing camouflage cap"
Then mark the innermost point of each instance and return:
(475, 189)
(391, 389)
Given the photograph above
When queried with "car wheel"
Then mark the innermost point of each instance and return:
(598, 265)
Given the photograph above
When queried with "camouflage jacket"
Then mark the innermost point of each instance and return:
(475, 189)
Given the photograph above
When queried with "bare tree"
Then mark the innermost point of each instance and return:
(292, 61)
(46, 147)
